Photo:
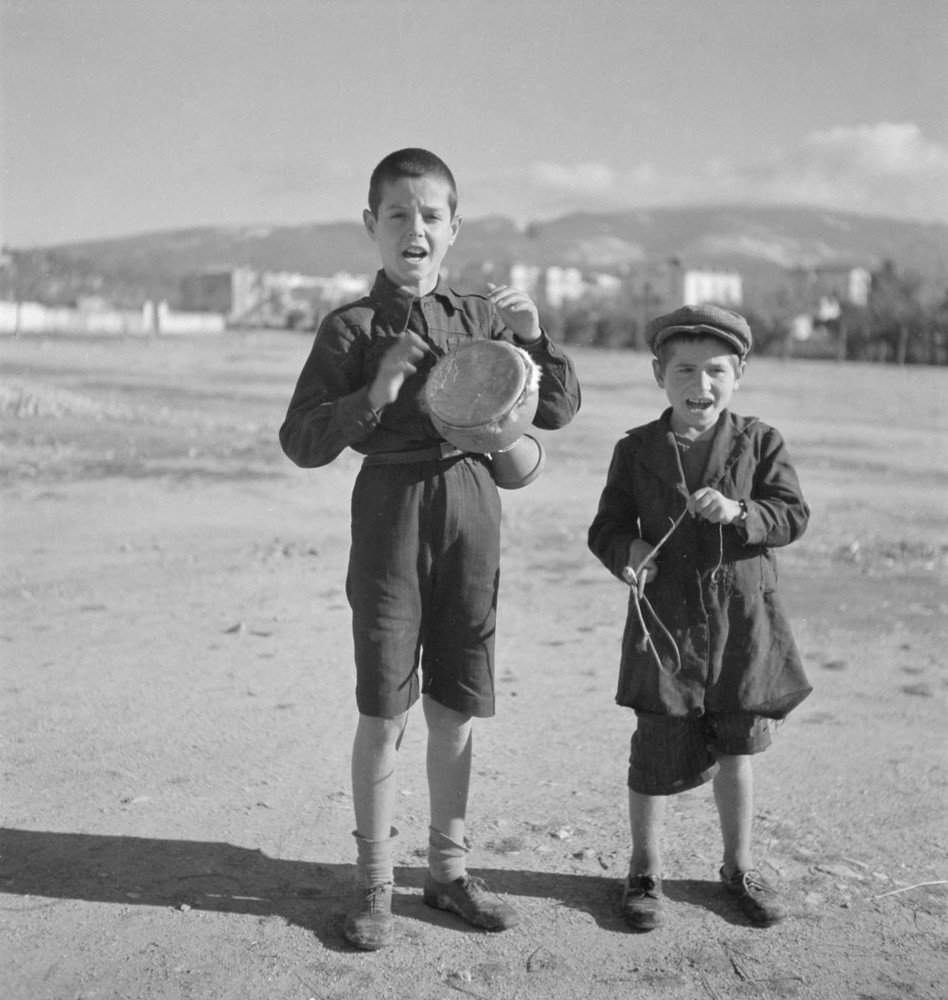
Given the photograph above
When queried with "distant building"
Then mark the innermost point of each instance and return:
(844, 284)
(230, 291)
(668, 284)
(245, 297)
(556, 286)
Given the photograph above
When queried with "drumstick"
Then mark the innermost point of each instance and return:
(425, 345)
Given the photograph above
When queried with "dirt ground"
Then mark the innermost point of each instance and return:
(178, 708)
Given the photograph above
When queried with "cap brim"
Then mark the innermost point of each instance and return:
(711, 331)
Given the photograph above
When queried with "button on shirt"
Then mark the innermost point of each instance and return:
(330, 408)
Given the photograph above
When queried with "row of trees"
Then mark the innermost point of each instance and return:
(897, 324)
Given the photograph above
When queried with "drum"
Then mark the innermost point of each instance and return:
(482, 396)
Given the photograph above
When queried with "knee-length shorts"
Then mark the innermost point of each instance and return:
(424, 569)
(670, 755)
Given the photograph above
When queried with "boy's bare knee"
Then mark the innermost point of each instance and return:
(381, 732)
(441, 717)
(733, 764)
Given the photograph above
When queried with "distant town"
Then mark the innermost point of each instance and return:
(862, 309)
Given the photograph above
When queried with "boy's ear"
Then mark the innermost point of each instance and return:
(369, 221)
(455, 226)
(657, 372)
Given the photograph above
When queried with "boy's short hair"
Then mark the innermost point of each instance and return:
(694, 322)
(411, 162)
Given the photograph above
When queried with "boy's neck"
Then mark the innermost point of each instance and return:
(689, 433)
(422, 288)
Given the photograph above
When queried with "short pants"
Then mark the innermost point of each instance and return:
(670, 754)
(422, 583)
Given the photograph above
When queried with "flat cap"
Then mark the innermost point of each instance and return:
(711, 320)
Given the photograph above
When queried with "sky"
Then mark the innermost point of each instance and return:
(119, 117)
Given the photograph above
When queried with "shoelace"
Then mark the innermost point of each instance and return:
(475, 885)
(375, 896)
(646, 885)
(753, 882)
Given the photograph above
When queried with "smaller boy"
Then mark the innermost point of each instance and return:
(722, 661)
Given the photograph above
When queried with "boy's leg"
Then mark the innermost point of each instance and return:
(374, 752)
(448, 886)
(734, 797)
(368, 924)
(450, 743)
(643, 906)
(646, 819)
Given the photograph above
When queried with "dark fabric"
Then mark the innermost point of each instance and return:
(422, 584)
(330, 409)
(669, 755)
(423, 566)
(716, 586)
(694, 460)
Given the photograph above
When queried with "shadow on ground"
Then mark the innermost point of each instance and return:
(224, 878)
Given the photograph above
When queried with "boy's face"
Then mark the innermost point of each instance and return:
(413, 230)
(699, 379)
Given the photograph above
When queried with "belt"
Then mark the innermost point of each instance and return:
(435, 454)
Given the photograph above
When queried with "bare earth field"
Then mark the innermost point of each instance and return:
(178, 709)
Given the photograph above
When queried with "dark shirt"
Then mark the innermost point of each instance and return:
(693, 456)
(330, 407)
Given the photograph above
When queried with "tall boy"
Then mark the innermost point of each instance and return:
(423, 566)
(703, 694)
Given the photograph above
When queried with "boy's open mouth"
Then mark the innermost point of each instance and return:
(699, 404)
(414, 253)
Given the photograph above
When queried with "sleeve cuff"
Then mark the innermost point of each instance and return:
(355, 415)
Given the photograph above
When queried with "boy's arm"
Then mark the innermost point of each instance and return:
(777, 514)
(329, 409)
(515, 317)
(616, 524)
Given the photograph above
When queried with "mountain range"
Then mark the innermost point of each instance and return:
(762, 243)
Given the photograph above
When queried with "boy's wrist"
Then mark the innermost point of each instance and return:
(534, 337)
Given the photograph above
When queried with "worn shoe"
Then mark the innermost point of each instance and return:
(755, 896)
(471, 900)
(643, 904)
(369, 924)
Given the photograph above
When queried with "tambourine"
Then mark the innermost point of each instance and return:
(482, 397)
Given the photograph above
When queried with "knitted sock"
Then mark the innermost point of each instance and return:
(375, 863)
(445, 857)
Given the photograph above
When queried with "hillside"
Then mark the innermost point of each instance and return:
(761, 243)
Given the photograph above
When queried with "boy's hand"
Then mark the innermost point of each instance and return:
(639, 549)
(517, 310)
(398, 362)
(713, 506)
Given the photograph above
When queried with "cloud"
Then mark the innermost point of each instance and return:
(580, 178)
(887, 168)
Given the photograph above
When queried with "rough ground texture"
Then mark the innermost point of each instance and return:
(178, 709)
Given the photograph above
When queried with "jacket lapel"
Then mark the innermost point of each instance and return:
(659, 453)
(725, 449)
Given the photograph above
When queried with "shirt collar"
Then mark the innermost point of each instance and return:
(387, 293)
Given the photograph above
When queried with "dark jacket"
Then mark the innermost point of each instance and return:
(716, 587)
(330, 408)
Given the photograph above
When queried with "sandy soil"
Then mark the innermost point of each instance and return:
(178, 710)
